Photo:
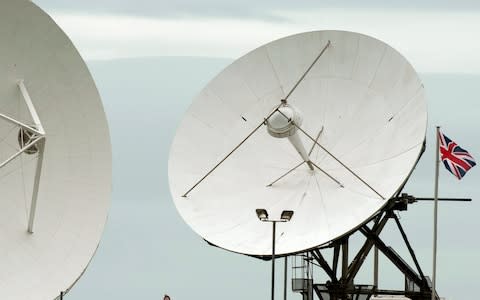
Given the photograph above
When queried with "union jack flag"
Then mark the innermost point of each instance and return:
(457, 160)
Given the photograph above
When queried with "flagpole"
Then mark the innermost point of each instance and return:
(435, 214)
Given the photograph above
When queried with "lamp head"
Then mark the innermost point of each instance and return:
(262, 214)
(286, 215)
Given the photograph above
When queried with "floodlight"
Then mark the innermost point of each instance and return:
(286, 215)
(262, 214)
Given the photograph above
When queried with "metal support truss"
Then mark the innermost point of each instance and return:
(32, 140)
(342, 286)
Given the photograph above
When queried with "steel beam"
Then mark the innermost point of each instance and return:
(367, 246)
(410, 249)
(336, 255)
(317, 255)
(393, 257)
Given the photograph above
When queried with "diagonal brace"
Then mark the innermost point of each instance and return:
(359, 259)
(336, 159)
(317, 255)
(231, 152)
(410, 249)
(393, 257)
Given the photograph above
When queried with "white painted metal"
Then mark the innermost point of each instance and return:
(22, 125)
(41, 147)
(298, 145)
(36, 185)
(31, 107)
(361, 101)
(38, 140)
(282, 124)
(21, 151)
(64, 188)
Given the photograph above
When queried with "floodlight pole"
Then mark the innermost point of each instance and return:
(273, 259)
(274, 224)
(284, 218)
(285, 278)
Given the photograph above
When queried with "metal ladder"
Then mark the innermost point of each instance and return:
(302, 275)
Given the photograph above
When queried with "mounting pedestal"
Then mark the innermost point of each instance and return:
(417, 285)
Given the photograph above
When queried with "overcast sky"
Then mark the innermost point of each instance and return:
(147, 250)
(266, 9)
(214, 28)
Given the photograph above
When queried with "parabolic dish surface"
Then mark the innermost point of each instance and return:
(363, 101)
(75, 183)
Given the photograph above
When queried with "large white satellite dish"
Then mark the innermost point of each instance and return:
(55, 157)
(354, 110)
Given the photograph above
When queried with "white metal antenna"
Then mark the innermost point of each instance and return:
(354, 102)
(35, 140)
(55, 157)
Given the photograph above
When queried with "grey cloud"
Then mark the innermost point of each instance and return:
(241, 9)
